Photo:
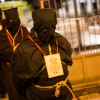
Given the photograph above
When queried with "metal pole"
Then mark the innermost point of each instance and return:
(77, 25)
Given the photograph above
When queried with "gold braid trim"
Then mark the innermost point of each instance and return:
(57, 89)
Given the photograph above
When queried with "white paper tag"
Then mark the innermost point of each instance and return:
(53, 65)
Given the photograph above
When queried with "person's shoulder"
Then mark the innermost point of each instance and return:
(26, 42)
(25, 31)
(24, 28)
(23, 46)
(60, 36)
(62, 40)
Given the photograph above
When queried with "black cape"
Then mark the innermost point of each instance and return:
(27, 61)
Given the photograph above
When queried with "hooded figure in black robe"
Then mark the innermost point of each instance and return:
(2, 86)
(28, 64)
(11, 35)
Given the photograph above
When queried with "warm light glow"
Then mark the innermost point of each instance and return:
(2, 1)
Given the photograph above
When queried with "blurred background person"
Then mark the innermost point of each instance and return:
(10, 36)
(2, 86)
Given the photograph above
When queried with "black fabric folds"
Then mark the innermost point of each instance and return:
(27, 60)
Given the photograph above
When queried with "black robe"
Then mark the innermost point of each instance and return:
(2, 85)
(6, 51)
(27, 61)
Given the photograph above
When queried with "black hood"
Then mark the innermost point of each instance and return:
(45, 24)
(12, 21)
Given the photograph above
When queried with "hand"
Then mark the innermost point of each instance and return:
(14, 48)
